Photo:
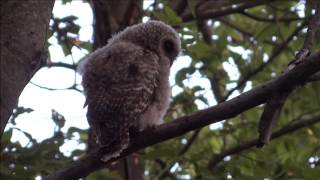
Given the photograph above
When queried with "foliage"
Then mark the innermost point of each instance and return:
(39, 158)
(239, 42)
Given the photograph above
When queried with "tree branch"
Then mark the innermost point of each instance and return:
(180, 126)
(166, 172)
(247, 145)
(243, 31)
(178, 6)
(272, 57)
(213, 13)
(273, 20)
(61, 64)
(275, 103)
(72, 87)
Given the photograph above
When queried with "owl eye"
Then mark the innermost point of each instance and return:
(169, 46)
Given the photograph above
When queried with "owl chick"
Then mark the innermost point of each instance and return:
(126, 83)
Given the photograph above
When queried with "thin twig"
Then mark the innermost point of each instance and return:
(272, 57)
(190, 142)
(166, 173)
(213, 13)
(73, 87)
(61, 64)
(273, 20)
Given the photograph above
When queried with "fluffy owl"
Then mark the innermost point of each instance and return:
(126, 83)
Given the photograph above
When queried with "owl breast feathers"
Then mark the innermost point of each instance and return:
(126, 83)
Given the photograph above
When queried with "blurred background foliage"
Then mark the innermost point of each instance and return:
(244, 50)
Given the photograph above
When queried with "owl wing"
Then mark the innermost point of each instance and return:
(118, 91)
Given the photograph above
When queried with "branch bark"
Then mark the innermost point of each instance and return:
(275, 103)
(113, 16)
(180, 126)
(23, 38)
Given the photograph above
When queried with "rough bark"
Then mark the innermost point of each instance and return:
(23, 38)
(112, 16)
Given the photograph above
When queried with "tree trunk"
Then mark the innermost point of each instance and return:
(23, 48)
(112, 16)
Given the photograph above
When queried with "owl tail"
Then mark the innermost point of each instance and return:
(112, 135)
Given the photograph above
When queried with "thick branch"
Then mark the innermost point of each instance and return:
(180, 126)
(112, 16)
(270, 116)
(250, 144)
(23, 37)
(275, 103)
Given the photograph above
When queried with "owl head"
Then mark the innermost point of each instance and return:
(152, 35)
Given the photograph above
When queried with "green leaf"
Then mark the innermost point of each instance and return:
(77, 152)
(66, 50)
(5, 139)
(69, 19)
(160, 151)
(203, 99)
(57, 118)
(104, 174)
(200, 50)
(266, 32)
(168, 15)
(74, 28)
(173, 18)
(66, 1)
(86, 45)
(182, 75)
